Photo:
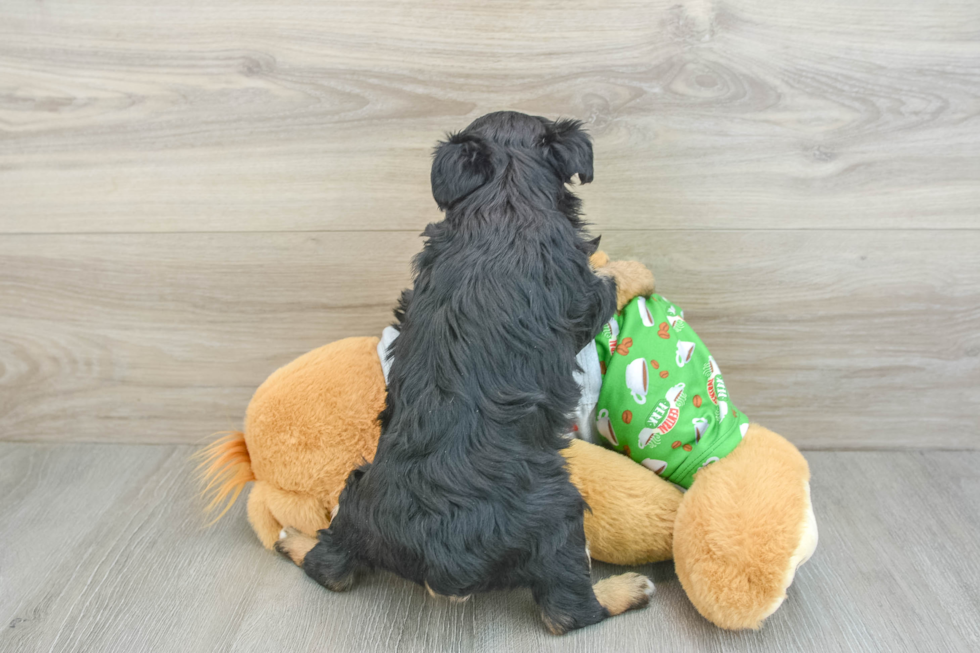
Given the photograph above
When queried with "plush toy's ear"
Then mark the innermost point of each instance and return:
(460, 166)
(571, 150)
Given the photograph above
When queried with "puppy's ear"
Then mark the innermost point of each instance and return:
(571, 150)
(461, 165)
(589, 247)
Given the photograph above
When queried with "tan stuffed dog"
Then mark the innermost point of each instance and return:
(736, 536)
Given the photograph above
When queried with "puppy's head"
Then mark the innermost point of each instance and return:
(544, 152)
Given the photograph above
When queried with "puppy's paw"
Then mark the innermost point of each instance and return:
(557, 626)
(624, 592)
(294, 544)
(452, 598)
(633, 279)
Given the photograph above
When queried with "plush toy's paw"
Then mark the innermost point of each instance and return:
(743, 528)
(598, 260)
(294, 545)
(260, 516)
(808, 544)
(808, 541)
(804, 550)
(624, 592)
(633, 279)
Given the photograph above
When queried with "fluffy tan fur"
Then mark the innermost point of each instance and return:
(632, 278)
(306, 428)
(598, 260)
(631, 521)
(738, 527)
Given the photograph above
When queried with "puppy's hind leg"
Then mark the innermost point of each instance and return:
(322, 559)
(563, 590)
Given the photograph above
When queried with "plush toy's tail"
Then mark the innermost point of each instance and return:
(225, 469)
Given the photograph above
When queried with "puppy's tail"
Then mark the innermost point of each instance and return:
(224, 469)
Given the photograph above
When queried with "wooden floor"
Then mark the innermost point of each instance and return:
(102, 549)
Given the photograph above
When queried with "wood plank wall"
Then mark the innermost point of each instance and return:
(192, 194)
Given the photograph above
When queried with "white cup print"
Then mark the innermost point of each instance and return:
(700, 428)
(676, 321)
(684, 352)
(645, 315)
(676, 395)
(648, 436)
(711, 368)
(722, 410)
(658, 467)
(604, 425)
(744, 428)
(638, 379)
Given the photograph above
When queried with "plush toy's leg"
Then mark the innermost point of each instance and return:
(304, 512)
(633, 509)
(742, 530)
(564, 592)
(307, 427)
(260, 517)
(270, 508)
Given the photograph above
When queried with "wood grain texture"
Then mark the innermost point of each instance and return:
(191, 196)
(853, 340)
(298, 115)
(103, 550)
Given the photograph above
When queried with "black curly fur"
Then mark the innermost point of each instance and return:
(468, 491)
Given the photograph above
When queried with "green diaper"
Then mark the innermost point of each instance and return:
(663, 401)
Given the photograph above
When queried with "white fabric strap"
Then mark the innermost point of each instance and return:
(387, 337)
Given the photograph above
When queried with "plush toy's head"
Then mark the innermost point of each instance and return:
(525, 150)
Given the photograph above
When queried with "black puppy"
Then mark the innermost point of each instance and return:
(468, 491)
